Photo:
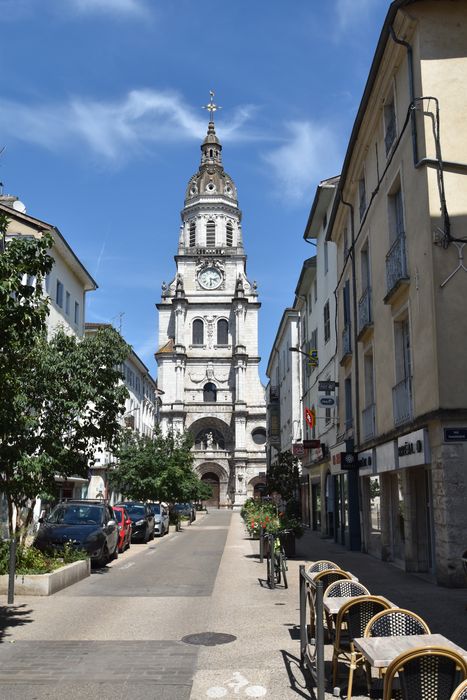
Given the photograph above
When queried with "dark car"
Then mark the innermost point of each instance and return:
(186, 509)
(142, 519)
(87, 524)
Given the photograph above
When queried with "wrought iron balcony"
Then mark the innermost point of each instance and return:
(346, 341)
(369, 421)
(365, 316)
(402, 401)
(396, 264)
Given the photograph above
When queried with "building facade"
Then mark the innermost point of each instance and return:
(399, 222)
(208, 338)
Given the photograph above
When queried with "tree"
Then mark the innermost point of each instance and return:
(283, 476)
(157, 468)
(65, 399)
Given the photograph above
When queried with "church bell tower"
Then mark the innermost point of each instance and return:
(208, 337)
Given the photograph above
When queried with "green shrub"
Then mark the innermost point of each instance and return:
(30, 560)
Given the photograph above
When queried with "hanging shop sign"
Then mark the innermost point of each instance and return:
(327, 385)
(349, 460)
(327, 401)
(311, 444)
(310, 417)
(298, 449)
(413, 449)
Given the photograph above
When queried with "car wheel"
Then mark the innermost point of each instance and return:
(104, 557)
(114, 556)
(153, 534)
(168, 529)
(128, 544)
(146, 535)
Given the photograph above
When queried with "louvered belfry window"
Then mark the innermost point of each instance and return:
(229, 234)
(222, 332)
(198, 332)
(192, 234)
(210, 234)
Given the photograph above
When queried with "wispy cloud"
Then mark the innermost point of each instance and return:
(108, 128)
(309, 154)
(348, 12)
(146, 348)
(123, 8)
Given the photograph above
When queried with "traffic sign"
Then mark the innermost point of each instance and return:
(327, 386)
(327, 401)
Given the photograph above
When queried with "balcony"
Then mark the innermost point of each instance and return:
(369, 421)
(402, 401)
(346, 343)
(365, 316)
(396, 267)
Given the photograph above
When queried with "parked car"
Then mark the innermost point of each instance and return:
(161, 518)
(186, 509)
(142, 520)
(125, 527)
(87, 524)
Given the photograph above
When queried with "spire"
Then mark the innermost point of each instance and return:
(211, 147)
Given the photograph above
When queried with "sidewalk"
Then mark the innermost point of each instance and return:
(263, 660)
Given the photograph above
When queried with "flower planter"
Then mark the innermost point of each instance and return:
(287, 541)
(47, 584)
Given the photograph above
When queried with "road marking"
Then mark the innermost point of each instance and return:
(237, 683)
(127, 566)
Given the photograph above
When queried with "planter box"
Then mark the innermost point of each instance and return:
(287, 541)
(47, 584)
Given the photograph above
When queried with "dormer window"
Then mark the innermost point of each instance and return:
(210, 234)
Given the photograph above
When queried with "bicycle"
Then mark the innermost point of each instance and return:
(276, 561)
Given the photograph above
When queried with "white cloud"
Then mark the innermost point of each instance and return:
(114, 129)
(126, 8)
(351, 11)
(310, 154)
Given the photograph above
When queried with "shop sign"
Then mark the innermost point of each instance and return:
(336, 455)
(327, 401)
(386, 457)
(311, 444)
(349, 460)
(455, 434)
(327, 385)
(366, 462)
(412, 449)
(297, 449)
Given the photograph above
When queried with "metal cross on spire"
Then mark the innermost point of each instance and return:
(211, 107)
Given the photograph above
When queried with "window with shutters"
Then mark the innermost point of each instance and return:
(198, 332)
(192, 234)
(222, 332)
(210, 234)
(229, 234)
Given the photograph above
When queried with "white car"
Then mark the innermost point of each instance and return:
(161, 518)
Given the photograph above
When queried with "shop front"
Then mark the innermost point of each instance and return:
(342, 500)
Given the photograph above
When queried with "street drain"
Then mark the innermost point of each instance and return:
(209, 639)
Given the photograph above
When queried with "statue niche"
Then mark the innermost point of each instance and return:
(210, 439)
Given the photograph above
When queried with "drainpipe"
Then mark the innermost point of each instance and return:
(411, 91)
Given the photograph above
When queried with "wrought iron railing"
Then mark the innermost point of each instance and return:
(402, 401)
(369, 421)
(365, 317)
(396, 263)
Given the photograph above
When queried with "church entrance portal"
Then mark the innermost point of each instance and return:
(213, 481)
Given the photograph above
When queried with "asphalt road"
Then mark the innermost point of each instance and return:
(117, 634)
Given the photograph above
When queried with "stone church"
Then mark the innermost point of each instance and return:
(208, 338)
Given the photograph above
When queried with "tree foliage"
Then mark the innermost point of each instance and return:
(158, 468)
(283, 476)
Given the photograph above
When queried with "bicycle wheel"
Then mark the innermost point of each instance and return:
(277, 567)
(284, 569)
(270, 569)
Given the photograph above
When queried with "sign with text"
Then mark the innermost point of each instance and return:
(327, 401)
(326, 386)
(311, 444)
(298, 450)
(455, 434)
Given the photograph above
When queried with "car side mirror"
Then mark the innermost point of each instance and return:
(112, 523)
(128, 522)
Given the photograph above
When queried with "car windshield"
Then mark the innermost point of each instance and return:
(76, 514)
(134, 509)
(156, 509)
(118, 515)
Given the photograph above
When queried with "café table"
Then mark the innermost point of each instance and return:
(381, 651)
(333, 605)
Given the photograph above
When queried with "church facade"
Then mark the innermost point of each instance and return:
(208, 363)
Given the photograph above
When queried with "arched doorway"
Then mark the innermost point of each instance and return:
(212, 480)
(256, 487)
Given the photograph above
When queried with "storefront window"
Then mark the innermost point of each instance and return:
(375, 504)
(345, 501)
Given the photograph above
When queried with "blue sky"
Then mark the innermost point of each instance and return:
(100, 115)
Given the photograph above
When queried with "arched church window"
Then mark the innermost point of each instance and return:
(192, 234)
(210, 152)
(210, 233)
(229, 234)
(209, 393)
(198, 332)
(222, 332)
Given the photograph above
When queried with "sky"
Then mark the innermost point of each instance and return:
(101, 120)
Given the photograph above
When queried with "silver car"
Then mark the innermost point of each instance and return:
(161, 518)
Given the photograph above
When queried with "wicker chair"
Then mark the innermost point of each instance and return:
(327, 576)
(460, 692)
(321, 565)
(351, 623)
(345, 588)
(426, 673)
(396, 622)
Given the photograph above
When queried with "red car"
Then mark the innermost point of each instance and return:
(124, 527)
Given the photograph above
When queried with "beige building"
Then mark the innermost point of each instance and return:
(399, 222)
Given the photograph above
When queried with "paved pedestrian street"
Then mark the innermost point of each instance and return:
(118, 634)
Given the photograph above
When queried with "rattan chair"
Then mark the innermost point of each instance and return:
(351, 623)
(396, 622)
(345, 588)
(426, 673)
(460, 692)
(327, 576)
(321, 565)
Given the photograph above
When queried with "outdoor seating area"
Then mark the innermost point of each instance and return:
(389, 649)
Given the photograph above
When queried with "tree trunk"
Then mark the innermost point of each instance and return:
(27, 521)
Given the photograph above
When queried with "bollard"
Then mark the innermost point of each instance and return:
(261, 546)
(11, 571)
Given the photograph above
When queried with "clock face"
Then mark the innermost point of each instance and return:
(210, 278)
